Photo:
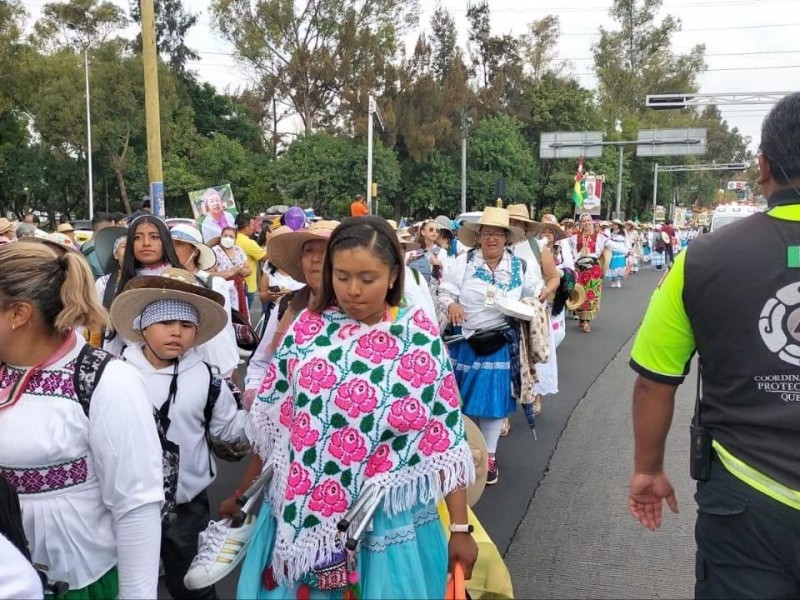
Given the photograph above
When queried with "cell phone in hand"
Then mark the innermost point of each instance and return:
(274, 289)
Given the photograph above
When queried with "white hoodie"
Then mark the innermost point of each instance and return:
(186, 415)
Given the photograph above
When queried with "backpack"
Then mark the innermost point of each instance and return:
(89, 367)
(230, 451)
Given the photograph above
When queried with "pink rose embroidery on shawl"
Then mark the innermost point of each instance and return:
(417, 368)
(348, 331)
(407, 414)
(449, 391)
(269, 379)
(302, 434)
(298, 483)
(328, 498)
(317, 375)
(287, 409)
(379, 461)
(348, 446)
(423, 322)
(356, 397)
(436, 439)
(308, 327)
(377, 346)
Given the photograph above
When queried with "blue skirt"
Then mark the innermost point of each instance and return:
(484, 381)
(404, 556)
(617, 266)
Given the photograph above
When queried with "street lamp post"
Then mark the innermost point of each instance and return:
(466, 121)
(88, 131)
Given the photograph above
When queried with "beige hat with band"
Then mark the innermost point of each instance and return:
(285, 252)
(491, 217)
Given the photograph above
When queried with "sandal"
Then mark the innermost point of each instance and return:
(506, 428)
(586, 327)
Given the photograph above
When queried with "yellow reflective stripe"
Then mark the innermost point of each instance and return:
(756, 479)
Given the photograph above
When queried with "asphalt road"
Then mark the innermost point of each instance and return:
(523, 462)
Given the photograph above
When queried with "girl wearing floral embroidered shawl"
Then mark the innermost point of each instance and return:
(360, 391)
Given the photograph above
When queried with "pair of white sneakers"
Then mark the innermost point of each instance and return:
(221, 549)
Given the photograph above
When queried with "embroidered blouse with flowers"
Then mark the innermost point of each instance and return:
(344, 403)
(469, 281)
(78, 477)
(594, 244)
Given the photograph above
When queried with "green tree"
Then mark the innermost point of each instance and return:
(78, 24)
(317, 55)
(498, 150)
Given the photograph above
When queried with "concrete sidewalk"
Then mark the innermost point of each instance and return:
(577, 539)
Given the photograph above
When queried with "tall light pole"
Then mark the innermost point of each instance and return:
(372, 109)
(88, 131)
(466, 121)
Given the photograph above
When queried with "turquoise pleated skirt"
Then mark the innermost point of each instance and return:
(484, 381)
(404, 556)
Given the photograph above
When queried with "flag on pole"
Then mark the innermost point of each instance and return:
(579, 189)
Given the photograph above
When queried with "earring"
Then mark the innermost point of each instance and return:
(13, 328)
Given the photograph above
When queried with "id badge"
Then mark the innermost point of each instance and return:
(491, 296)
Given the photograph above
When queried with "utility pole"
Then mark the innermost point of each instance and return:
(619, 181)
(655, 191)
(152, 110)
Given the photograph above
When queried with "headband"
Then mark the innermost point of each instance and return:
(161, 311)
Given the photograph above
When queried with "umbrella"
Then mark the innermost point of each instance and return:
(277, 209)
(530, 415)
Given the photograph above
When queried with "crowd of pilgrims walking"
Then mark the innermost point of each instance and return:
(388, 360)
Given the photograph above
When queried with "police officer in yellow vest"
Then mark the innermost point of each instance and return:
(733, 297)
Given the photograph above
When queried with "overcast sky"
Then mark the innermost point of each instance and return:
(751, 45)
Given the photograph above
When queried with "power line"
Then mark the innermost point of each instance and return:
(732, 28)
(588, 9)
(714, 54)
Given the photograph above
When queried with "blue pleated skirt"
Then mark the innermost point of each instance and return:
(617, 266)
(484, 381)
(404, 556)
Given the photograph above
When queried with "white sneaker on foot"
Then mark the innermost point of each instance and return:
(221, 548)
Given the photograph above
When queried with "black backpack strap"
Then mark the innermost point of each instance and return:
(89, 367)
(214, 389)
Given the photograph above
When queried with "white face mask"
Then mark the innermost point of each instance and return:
(226, 242)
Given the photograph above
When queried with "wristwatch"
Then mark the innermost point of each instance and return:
(467, 528)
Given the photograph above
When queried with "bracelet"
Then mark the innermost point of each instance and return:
(467, 528)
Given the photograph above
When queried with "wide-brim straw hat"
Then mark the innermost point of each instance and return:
(480, 456)
(491, 217)
(285, 253)
(54, 245)
(407, 241)
(192, 236)
(577, 297)
(520, 212)
(65, 228)
(5, 226)
(558, 233)
(104, 246)
(172, 284)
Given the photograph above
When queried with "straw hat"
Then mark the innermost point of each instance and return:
(172, 284)
(492, 217)
(444, 223)
(62, 239)
(285, 254)
(618, 222)
(520, 212)
(65, 228)
(480, 456)
(577, 297)
(407, 240)
(5, 226)
(190, 235)
(558, 233)
(104, 246)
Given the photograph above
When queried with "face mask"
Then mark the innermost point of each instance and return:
(226, 242)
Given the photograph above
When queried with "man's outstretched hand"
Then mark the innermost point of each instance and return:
(645, 498)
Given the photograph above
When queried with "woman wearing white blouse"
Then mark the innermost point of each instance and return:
(483, 360)
(89, 475)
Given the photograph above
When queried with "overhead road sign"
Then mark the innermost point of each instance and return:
(671, 142)
(675, 101)
(571, 144)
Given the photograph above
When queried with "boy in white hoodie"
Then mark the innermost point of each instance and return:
(166, 317)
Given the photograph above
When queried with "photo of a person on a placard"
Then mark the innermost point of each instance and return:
(592, 201)
(216, 217)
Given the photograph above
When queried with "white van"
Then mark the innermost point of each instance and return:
(725, 214)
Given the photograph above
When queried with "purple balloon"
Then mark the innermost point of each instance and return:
(295, 218)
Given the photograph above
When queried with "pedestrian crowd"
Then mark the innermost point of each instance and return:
(382, 375)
